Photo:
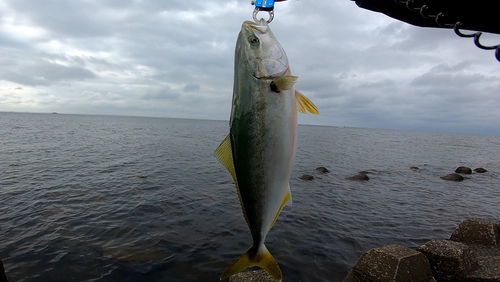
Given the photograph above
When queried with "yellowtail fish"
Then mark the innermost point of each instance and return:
(260, 147)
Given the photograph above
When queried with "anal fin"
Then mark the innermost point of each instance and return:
(286, 200)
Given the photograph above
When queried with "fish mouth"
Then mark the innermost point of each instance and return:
(268, 78)
(261, 27)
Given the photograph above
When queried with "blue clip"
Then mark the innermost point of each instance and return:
(264, 3)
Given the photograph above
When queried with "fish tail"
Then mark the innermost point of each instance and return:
(262, 258)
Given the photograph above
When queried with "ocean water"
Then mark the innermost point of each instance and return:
(102, 198)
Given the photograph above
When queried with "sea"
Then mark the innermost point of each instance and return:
(117, 198)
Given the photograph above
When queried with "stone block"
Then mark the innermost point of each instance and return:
(391, 263)
(477, 231)
(450, 261)
(252, 276)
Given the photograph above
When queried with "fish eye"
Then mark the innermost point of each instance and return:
(253, 40)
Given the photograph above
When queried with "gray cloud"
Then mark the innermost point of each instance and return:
(175, 58)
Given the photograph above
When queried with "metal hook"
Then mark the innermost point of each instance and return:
(481, 46)
(427, 16)
(442, 24)
(257, 10)
(456, 28)
(410, 2)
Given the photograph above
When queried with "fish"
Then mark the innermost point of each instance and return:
(260, 148)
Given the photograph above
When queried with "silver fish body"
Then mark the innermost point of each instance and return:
(260, 148)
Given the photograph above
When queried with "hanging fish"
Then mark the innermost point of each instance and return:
(260, 147)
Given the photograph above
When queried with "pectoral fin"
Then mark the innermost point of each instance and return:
(283, 83)
(304, 104)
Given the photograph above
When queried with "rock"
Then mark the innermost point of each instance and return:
(450, 261)
(488, 269)
(480, 170)
(322, 169)
(307, 177)
(414, 168)
(360, 176)
(391, 263)
(252, 276)
(477, 231)
(3, 277)
(453, 177)
(463, 169)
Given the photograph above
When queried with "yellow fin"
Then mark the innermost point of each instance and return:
(262, 258)
(285, 82)
(286, 199)
(224, 154)
(303, 104)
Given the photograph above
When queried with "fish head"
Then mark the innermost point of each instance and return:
(263, 54)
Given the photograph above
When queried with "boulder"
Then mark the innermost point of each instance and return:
(480, 170)
(362, 175)
(252, 276)
(450, 261)
(453, 177)
(3, 277)
(307, 177)
(391, 263)
(322, 169)
(477, 231)
(463, 169)
(488, 269)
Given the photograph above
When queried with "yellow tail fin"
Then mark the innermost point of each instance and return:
(251, 257)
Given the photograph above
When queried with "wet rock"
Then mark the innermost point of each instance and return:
(453, 177)
(362, 175)
(450, 261)
(252, 276)
(414, 168)
(322, 169)
(477, 231)
(3, 277)
(463, 169)
(307, 177)
(480, 170)
(394, 263)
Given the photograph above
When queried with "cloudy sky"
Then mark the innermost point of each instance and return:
(174, 58)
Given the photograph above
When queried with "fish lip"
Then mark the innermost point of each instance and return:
(259, 27)
(270, 78)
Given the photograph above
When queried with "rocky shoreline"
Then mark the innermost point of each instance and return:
(363, 175)
(472, 254)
